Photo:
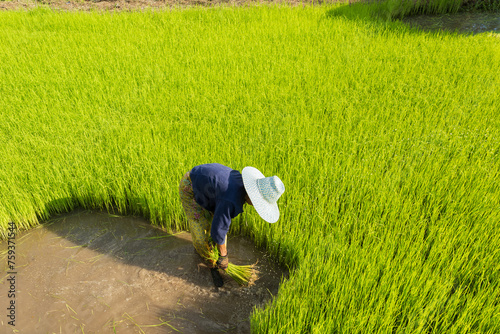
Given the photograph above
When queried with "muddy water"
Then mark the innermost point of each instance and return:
(470, 23)
(92, 272)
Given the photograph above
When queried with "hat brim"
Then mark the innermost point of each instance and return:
(267, 211)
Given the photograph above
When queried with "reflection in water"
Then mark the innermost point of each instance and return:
(474, 23)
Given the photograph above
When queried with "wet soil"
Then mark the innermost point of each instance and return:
(129, 5)
(468, 23)
(94, 272)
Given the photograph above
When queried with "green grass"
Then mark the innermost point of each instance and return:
(386, 138)
(401, 8)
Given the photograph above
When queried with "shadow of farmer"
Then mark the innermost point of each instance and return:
(120, 271)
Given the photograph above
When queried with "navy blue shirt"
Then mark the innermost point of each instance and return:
(218, 189)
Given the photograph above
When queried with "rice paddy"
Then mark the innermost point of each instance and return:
(387, 139)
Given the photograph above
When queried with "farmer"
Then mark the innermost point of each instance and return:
(212, 194)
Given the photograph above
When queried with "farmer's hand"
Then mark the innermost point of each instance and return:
(222, 262)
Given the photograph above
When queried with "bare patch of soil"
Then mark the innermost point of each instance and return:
(130, 5)
(93, 272)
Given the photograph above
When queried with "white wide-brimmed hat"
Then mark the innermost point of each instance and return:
(263, 192)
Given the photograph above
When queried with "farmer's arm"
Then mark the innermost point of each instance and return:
(220, 227)
(222, 249)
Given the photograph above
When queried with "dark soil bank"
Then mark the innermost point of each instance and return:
(93, 272)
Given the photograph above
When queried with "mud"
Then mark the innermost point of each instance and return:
(467, 23)
(93, 272)
(130, 5)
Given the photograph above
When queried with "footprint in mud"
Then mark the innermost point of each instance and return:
(92, 272)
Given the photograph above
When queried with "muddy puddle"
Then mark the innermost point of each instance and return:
(93, 272)
(468, 23)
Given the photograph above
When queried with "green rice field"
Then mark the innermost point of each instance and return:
(387, 139)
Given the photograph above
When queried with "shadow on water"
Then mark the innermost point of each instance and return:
(462, 22)
(467, 23)
(95, 272)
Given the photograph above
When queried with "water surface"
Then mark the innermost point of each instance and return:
(471, 23)
(92, 272)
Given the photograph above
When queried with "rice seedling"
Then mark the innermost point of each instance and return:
(395, 9)
(240, 273)
(127, 317)
(386, 138)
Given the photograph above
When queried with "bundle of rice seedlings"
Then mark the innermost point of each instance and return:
(241, 274)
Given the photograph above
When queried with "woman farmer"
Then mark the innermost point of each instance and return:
(212, 194)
